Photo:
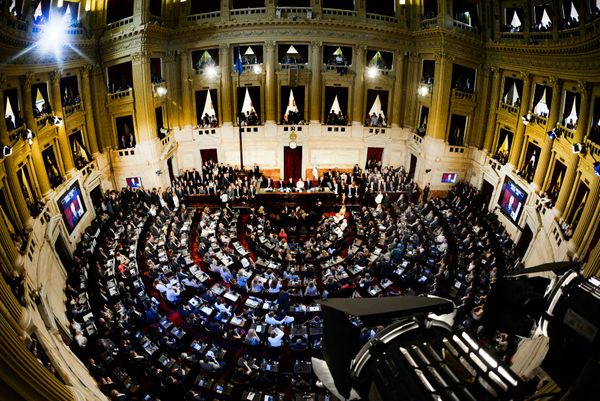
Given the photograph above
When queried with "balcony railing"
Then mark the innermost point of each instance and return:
(248, 11)
(125, 152)
(89, 168)
(593, 148)
(128, 93)
(541, 35)
(382, 18)
(74, 108)
(17, 133)
(41, 121)
(335, 129)
(336, 12)
(465, 27)
(509, 108)
(567, 133)
(569, 33)
(293, 12)
(372, 131)
(292, 66)
(121, 22)
(204, 16)
(512, 35)
(458, 94)
(429, 23)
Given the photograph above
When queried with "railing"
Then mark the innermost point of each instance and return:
(89, 168)
(207, 131)
(155, 19)
(285, 66)
(248, 11)
(429, 23)
(120, 95)
(541, 35)
(382, 18)
(68, 110)
(248, 129)
(17, 133)
(74, 31)
(18, 24)
(465, 27)
(204, 16)
(125, 152)
(295, 128)
(569, 33)
(166, 140)
(456, 149)
(371, 131)
(458, 94)
(509, 108)
(335, 128)
(512, 35)
(41, 121)
(541, 120)
(336, 12)
(119, 23)
(158, 87)
(417, 138)
(250, 67)
(293, 12)
(567, 133)
(593, 148)
(495, 164)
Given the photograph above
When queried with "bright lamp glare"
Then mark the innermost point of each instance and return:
(257, 69)
(372, 72)
(161, 91)
(53, 36)
(211, 71)
(423, 90)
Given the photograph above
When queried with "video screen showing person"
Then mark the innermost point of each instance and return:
(449, 178)
(512, 199)
(72, 206)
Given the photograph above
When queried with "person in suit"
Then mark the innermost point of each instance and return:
(268, 183)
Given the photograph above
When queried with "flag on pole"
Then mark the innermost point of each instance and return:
(239, 68)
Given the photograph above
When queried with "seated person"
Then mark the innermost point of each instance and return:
(252, 338)
(272, 320)
(298, 345)
(275, 338)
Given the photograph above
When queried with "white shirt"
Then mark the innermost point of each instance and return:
(173, 294)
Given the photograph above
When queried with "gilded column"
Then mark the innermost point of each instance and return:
(315, 81)
(515, 149)
(477, 137)
(36, 153)
(573, 159)
(586, 221)
(270, 82)
(440, 98)
(186, 90)
(86, 98)
(488, 142)
(592, 266)
(225, 63)
(63, 141)
(542, 167)
(411, 89)
(358, 92)
(397, 104)
(143, 97)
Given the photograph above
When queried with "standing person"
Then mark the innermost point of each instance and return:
(426, 192)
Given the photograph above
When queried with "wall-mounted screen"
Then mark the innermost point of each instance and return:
(449, 178)
(72, 206)
(512, 199)
(134, 182)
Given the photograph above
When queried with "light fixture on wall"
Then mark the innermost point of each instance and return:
(211, 71)
(579, 148)
(28, 136)
(372, 71)
(56, 121)
(554, 133)
(161, 91)
(597, 168)
(527, 118)
(423, 90)
(257, 69)
(293, 136)
(6, 151)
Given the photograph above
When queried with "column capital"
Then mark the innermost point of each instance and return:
(316, 43)
(170, 56)
(223, 47)
(269, 44)
(85, 70)
(56, 75)
(27, 80)
(361, 48)
(143, 56)
(583, 88)
(554, 81)
(525, 76)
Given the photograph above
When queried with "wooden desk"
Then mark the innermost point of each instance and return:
(292, 199)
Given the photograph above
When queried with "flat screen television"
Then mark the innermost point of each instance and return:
(72, 206)
(449, 178)
(134, 182)
(512, 199)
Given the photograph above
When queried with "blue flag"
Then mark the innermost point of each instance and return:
(239, 68)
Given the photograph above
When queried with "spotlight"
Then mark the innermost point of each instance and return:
(257, 69)
(211, 71)
(553, 134)
(597, 168)
(57, 121)
(6, 151)
(372, 72)
(52, 37)
(161, 91)
(527, 118)
(579, 148)
(423, 90)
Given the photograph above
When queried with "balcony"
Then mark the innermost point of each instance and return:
(206, 131)
(494, 164)
(126, 94)
(294, 12)
(369, 132)
(204, 16)
(461, 95)
(382, 18)
(512, 35)
(72, 109)
(335, 129)
(429, 23)
(566, 133)
(452, 150)
(569, 33)
(17, 133)
(465, 27)
(248, 12)
(89, 168)
(511, 109)
(338, 13)
(119, 23)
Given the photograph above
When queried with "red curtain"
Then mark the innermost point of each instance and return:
(374, 153)
(208, 155)
(292, 167)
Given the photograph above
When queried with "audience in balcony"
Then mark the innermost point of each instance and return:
(595, 134)
(70, 99)
(463, 84)
(125, 86)
(501, 156)
(208, 121)
(293, 118)
(541, 27)
(336, 119)
(570, 124)
(157, 79)
(127, 141)
(45, 111)
(249, 118)
(375, 120)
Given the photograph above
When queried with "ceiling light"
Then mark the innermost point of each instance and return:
(52, 36)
